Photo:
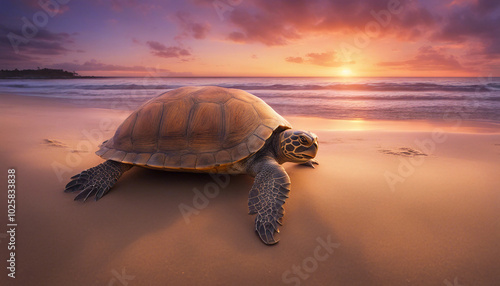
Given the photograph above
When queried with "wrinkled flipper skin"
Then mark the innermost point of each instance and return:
(266, 199)
(96, 180)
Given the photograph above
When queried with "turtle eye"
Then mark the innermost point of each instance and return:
(303, 140)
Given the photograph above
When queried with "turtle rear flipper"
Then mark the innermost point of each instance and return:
(96, 180)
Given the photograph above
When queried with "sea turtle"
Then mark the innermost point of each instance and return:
(207, 129)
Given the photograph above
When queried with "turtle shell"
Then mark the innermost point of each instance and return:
(194, 129)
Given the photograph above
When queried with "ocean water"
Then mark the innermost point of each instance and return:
(334, 98)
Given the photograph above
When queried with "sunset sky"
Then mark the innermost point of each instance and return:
(254, 38)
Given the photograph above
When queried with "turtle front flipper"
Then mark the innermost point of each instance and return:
(96, 180)
(311, 163)
(266, 199)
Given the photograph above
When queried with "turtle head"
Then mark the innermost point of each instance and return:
(297, 146)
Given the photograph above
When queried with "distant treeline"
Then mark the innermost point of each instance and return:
(38, 73)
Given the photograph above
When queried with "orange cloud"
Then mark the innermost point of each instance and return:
(427, 59)
(280, 22)
(327, 59)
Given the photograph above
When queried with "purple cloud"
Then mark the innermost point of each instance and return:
(479, 22)
(160, 50)
(18, 51)
(191, 28)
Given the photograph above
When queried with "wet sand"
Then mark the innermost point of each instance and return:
(392, 203)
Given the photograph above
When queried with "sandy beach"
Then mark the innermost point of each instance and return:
(391, 203)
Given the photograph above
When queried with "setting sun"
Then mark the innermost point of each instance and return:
(346, 72)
